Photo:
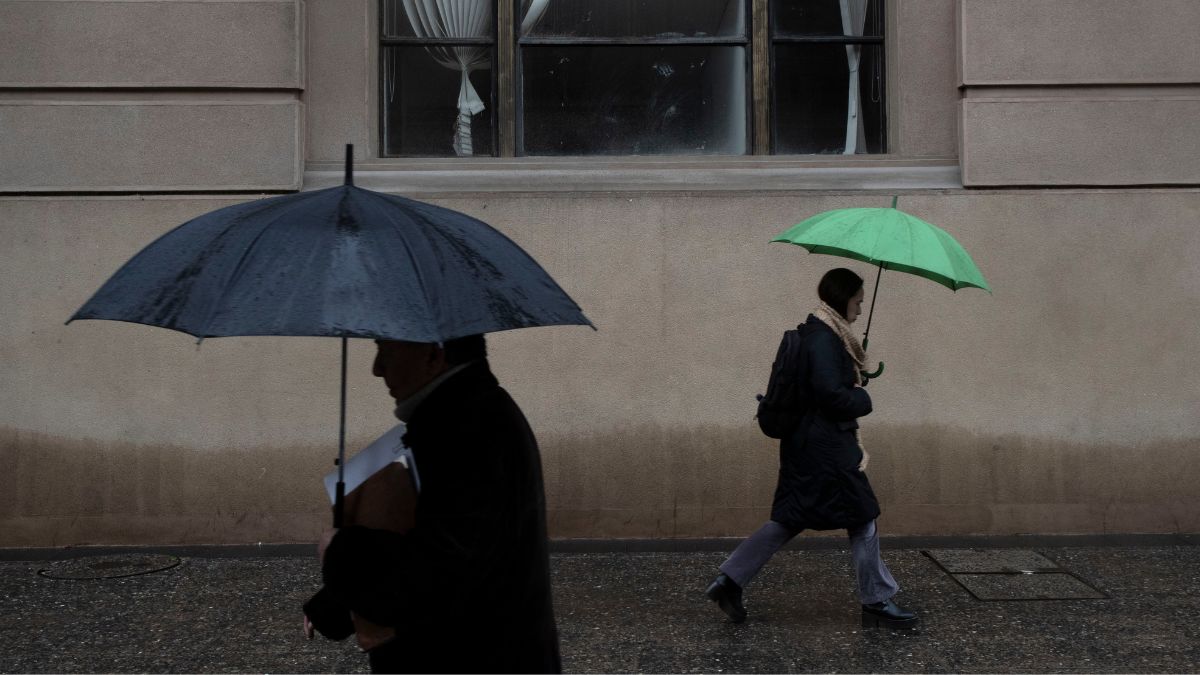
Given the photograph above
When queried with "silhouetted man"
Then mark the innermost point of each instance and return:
(467, 589)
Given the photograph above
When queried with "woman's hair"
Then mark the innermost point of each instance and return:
(837, 287)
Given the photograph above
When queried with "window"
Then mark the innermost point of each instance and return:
(631, 77)
(827, 88)
(435, 57)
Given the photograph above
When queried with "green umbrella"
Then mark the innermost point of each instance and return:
(890, 239)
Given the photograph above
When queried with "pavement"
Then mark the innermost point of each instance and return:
(1132, 604)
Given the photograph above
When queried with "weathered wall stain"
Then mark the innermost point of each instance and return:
(646, 424)
(710, 481)
(642, 481)
(60, 491)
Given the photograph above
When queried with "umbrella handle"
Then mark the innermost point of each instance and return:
(867, 340)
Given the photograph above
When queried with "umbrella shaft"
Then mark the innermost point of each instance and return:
(341, 460)
(342, 419)
(871, 313)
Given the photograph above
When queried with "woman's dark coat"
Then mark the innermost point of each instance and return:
(468, 588)
(820, 486)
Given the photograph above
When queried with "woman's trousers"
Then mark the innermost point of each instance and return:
(875, 582)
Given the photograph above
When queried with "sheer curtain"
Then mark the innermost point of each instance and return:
(729, 66)
(456, 19)
(462, 19)
(533, 12)
(854, 18)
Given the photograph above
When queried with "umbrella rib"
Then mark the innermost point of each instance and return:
(235, 275)
(419, 219)
(428, 305)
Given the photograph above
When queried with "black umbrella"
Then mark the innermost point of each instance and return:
(341, 262)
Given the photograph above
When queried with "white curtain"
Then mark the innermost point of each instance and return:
(456, 19)
(462, 19)
(729, 69)
(854, 17)
(533, 13)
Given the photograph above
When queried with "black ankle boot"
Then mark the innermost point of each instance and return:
(728, 596)
(887, 614)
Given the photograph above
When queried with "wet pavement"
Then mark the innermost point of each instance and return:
(237, 610)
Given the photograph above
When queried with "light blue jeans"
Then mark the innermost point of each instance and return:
(875, 582)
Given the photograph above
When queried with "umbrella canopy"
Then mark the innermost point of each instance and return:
(339, 262)
(891, 239)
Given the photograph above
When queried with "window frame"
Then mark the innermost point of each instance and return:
(746, 42)
(771, 40)
(384, 42)
(759, 43)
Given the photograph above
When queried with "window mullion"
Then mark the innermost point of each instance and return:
(761, 76)
(506, 76)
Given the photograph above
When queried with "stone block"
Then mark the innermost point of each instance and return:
(70, 43)
(1007, 42)
(150, 145)
(1105, 139)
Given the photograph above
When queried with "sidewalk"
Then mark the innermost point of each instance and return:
(237, 610)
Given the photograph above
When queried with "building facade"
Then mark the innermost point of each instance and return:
(1057, 140)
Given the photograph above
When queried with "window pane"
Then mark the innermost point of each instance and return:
(633, 18)
(437, 18)
(825, 17)
(634, 100)
(393, 22)
(421, 110)
(812, 85)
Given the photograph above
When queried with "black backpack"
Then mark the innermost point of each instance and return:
(782, 407)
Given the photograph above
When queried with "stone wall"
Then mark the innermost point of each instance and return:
(1064, 161)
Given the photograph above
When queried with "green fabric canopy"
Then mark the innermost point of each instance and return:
(892, 239)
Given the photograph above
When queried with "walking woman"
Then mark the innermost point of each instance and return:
(822, 480)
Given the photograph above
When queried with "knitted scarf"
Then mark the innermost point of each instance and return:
(834, 320)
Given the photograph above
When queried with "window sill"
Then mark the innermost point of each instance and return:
(640, 174)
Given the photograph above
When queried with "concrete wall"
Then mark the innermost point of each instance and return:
(66, 143)
(1060, 404)
(1079, 92)
(157, 95)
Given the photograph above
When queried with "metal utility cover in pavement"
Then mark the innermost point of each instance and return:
(109, 566)
(1007, 561)
(1008, 574)
(1047, 586)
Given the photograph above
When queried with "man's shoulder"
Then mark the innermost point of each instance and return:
(468, 401)
(474, 387)
(472, 380)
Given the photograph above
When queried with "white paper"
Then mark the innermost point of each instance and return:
(386, 449)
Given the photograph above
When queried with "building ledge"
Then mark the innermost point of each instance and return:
(638, 174)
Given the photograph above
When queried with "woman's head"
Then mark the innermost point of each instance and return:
(842, 290)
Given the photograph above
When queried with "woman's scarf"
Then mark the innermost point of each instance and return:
(838, 323)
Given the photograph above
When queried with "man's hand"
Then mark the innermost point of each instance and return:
(322, 544)
(371, 635)
(862, 466)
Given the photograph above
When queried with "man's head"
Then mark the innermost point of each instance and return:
(406, 367)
